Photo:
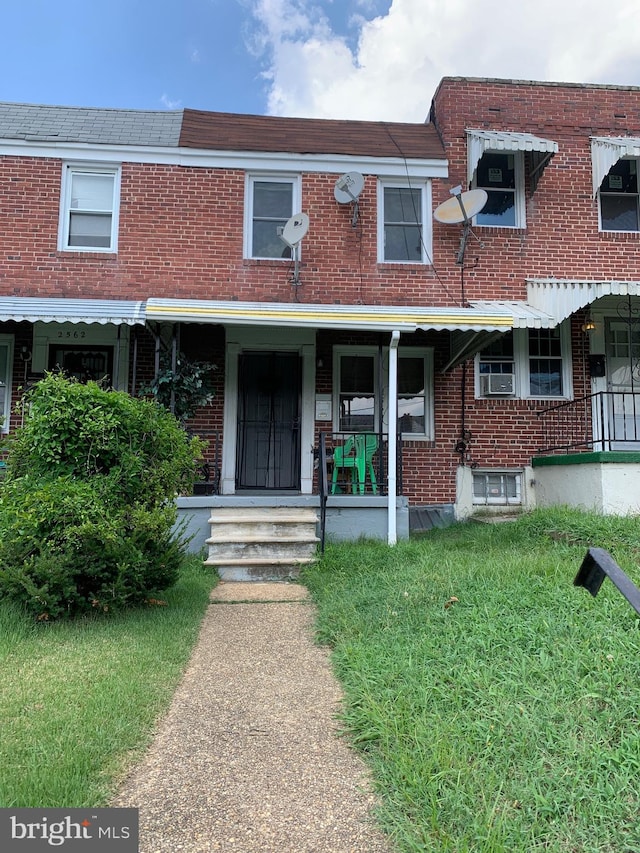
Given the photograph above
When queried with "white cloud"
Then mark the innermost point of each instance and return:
(169, 103)
(400, 56)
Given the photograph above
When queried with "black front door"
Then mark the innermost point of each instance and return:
(268, 447)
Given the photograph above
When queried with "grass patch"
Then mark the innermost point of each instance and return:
(79, 699)
(497, 704)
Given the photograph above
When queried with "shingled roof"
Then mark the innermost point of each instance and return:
(231, 132)
(35, 122)
(202, 130)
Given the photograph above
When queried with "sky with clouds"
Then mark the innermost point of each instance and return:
(362, 59)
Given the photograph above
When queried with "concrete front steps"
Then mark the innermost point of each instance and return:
(261, 543)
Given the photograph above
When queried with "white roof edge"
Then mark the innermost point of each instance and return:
(213, 159)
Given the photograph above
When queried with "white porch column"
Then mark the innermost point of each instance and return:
(392, 533)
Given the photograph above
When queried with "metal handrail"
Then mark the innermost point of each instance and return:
(604, 421)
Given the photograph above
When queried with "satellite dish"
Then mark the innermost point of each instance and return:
(348, 187)
(461, 207)
(295, 229)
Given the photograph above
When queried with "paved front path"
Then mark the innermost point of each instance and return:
(248, 757)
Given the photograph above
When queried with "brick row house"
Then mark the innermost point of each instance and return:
(375, 356)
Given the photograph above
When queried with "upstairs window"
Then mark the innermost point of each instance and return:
(500, 175)
(271, 202)
(402, 218)
(525, 363)
(89, 209)
(619, 197)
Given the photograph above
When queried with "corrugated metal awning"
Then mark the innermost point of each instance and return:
(44, 310)
(524, 314)
(540, 150)
(605, 153)
(353, 317)
(563, 297)
(465, 344)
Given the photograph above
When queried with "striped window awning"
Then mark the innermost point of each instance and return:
(540, 150)
(605, 153)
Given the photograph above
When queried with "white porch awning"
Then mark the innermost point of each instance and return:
(480, 141)
(45, 310)
(563, 297)
(605, 153)
(403, 318)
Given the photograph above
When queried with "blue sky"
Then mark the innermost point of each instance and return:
(366, 59)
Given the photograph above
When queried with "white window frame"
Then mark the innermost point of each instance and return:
(426, 247)
(425, 353)
(68, 172)
(338, 354)
(518, 191)
(610, 193)
(7, 341)
(521, 368)
(296, 207)
(500, 500)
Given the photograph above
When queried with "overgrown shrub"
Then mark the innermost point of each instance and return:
(87, 509)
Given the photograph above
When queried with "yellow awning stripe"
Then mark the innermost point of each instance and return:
(400, 317)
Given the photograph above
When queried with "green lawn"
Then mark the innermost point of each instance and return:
(497, 704)
(78, 700)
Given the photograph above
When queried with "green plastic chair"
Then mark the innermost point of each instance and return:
(356, 455)
(366, 447)
(344, 457)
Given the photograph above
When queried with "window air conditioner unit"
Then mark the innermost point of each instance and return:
(497, 384)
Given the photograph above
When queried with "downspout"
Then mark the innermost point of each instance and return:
(392, 461)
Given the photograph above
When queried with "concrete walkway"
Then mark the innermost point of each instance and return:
(248, 757)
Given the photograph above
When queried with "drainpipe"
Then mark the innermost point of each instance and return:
(392, 462)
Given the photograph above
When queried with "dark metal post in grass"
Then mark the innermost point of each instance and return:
(599, 564)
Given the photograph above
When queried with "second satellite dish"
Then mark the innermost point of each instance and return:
(461, 207)
(348, 187)
(295, 229)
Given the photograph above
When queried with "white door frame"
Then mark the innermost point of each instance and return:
(241, 338)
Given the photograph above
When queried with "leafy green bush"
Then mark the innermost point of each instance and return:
(87, 509)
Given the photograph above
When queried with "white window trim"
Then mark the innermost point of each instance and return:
(68, 170)
(521, 368)
(5, 414)
(296, 207)
(427, 225)
(426, 353)
(521, 219)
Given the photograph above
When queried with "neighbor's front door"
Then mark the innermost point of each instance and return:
(268, 441)
(623, 379)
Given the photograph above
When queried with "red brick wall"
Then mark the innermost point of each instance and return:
(181, 235)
